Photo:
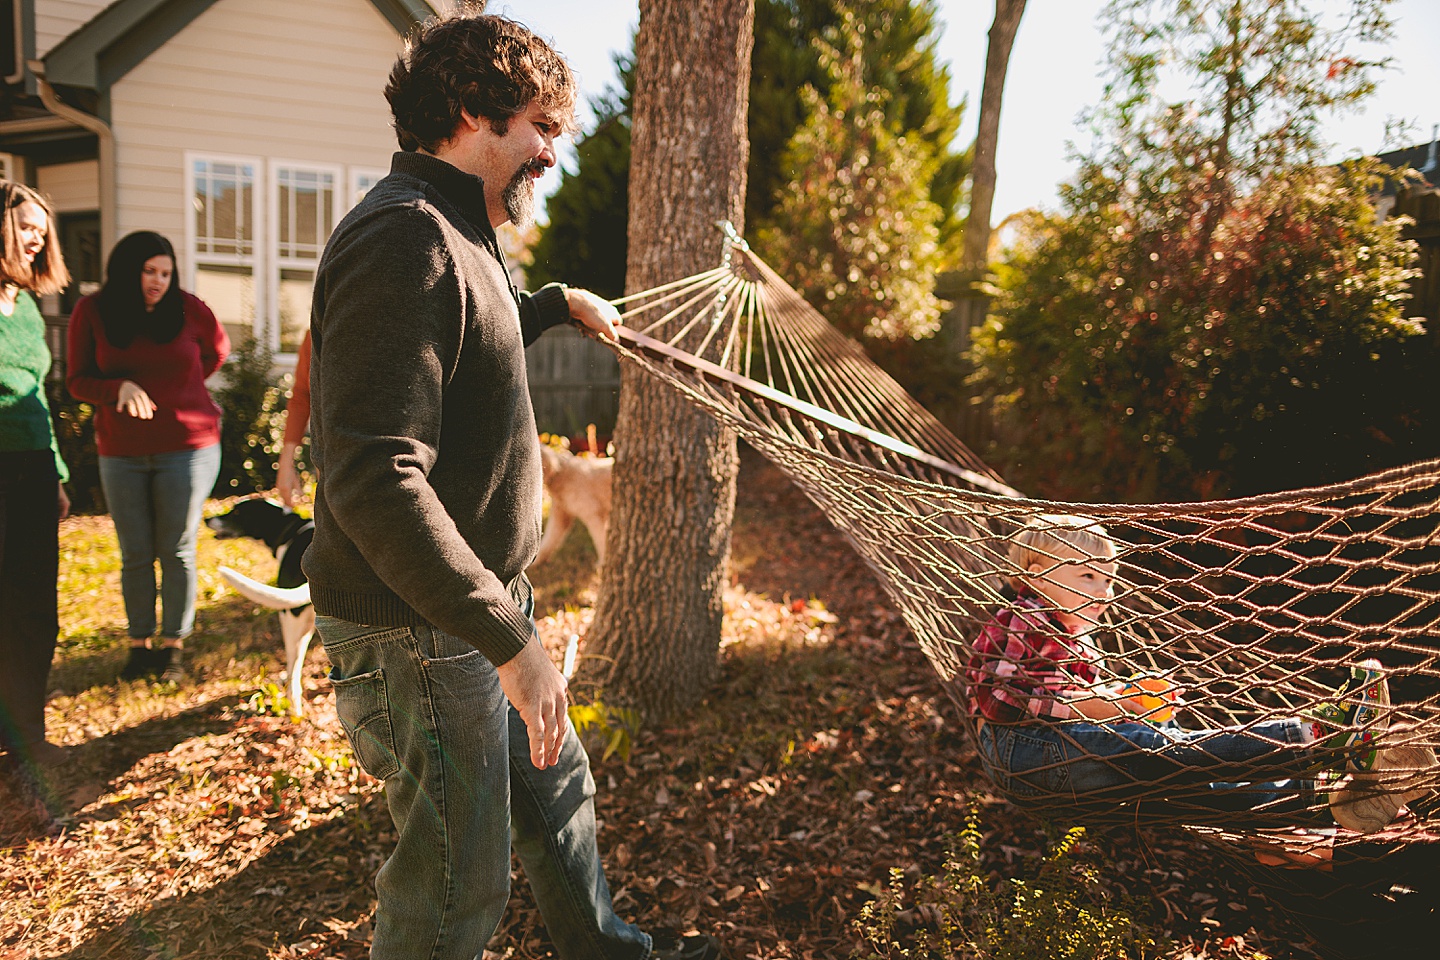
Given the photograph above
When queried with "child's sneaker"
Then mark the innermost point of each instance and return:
(1369, 801)
(1351, 722)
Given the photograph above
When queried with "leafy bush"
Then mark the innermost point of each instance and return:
(1214, 311)
(1063, 913)
(74, 422)
(1138, 356)
(252, 424)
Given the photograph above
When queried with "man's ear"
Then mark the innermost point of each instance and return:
(469, 120)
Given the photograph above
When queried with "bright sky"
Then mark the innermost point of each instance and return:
(1053, 77)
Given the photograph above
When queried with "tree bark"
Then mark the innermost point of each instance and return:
(655, 638)
(982, 175)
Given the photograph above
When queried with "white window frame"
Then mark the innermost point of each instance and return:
(275, 262)
(255, 261)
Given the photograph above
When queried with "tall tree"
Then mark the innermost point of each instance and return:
(656, 633)
(1212, 312)
(976, 247)
(591, 205)
(855, 230)
(898, 50)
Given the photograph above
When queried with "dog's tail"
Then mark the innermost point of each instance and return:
(275, 598)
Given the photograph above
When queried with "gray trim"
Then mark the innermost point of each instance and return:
(27, 43)
(403, 14)
(80, 60)
(120, 38)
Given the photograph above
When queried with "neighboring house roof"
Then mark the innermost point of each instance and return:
(128, 31)
(1421, 159)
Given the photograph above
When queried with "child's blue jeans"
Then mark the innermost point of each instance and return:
(1264, 766)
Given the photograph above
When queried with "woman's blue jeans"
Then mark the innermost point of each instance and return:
(424, 712)
(156, 502)
(1262, 767)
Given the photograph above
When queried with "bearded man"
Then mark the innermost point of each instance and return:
(427, 510)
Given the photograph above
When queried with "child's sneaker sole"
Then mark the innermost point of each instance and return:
(1359, 711)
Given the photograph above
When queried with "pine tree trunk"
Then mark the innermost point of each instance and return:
(655, 638)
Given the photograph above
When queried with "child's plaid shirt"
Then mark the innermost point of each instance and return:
(1025, 665)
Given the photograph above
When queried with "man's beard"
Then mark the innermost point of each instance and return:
(519, 196)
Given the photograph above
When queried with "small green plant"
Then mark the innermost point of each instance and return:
(269, 700)
(599, 723)
(1063, 912)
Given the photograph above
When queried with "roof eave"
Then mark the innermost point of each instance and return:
(121, 36)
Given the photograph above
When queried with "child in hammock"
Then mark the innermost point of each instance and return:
(1049, 726)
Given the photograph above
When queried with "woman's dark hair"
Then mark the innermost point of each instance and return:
(47, 274)
(489, 66)
(122, 302)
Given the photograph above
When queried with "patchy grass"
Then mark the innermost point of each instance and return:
(198, 823)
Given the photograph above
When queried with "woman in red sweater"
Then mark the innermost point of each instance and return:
(140, 351)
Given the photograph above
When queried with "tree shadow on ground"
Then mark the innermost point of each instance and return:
(91, 769)
(301, 897)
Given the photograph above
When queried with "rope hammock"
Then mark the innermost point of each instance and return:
(1234, 614)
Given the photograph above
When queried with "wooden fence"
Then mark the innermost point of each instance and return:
(1423, 206)
(574, 382)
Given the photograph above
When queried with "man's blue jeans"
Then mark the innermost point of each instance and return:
(425, 713)
(156, 502)
(1262, 767)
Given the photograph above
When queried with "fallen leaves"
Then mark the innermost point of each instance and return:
(200, 827)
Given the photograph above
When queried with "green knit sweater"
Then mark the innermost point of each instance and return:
(24, 363)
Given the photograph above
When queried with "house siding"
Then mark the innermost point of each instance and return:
(57, 19)
(269, 79)
(70, 187)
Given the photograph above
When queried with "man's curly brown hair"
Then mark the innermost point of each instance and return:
(486, 65)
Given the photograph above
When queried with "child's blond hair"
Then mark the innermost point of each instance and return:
(1046, 536)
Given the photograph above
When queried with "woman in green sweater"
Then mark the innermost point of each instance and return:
(32, 476)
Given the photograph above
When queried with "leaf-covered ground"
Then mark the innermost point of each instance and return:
(195, 820)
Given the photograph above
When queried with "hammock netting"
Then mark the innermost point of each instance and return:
(1250, 610)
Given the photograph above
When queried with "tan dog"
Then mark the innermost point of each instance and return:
(578, 487)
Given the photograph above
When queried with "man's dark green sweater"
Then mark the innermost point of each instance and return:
(421, 425)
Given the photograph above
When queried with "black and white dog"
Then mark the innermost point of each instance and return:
(287, 534)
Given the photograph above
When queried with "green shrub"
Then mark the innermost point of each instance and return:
(74, 422)
(1063, 912)
(252, 423)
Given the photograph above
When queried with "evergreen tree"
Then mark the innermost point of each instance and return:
(584, 241)
(855, 231)
(898, 48)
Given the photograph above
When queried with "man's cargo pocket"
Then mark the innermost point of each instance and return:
(365, 714)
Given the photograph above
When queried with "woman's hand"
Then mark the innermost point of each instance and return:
(135, 401)
(64, 502)
(287, 479)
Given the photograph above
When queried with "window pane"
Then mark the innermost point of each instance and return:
(306, 208)
(230, 293)
(296, 286)
(223, 201)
